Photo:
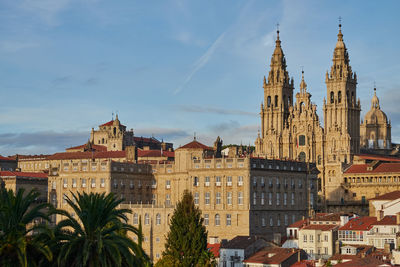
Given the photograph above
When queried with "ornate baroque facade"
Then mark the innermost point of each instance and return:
(293, 131)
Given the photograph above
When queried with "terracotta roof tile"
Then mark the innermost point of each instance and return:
(6, 158)
(298, 224)
(95, 147)
(272, 256)
(364, 223)
(110, 123)
(378, 157)
(196, 145)
(388, 196)
(155, 153)
(381, 168)
(24, 174)
(387, 220)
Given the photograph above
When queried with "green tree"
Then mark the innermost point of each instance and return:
(22, 237)
(186, 243)
(97, 234)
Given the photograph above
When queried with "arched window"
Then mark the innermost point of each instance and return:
(146, 219)
(268, 101)
(158, 219)
(102, 140)
(276, 101)
(352, 97)
(302, 156)
(135, 218)
(332, 97)
(115, 130)
(217, 220)
(302, 107)
(340, 97)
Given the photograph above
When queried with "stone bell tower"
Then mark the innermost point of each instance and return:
(278, 97)
(341, 119)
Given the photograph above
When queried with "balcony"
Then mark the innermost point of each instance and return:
(217, 183)
(229, 183)
(240, 183)
(207, 184)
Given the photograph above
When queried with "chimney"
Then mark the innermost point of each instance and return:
(380, 215)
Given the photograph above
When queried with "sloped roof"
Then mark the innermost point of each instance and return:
(110, 123)
(388, 196)
(322, 227)
(378, 157)
(23, 174)
(155, 153)
(364, 223)
(239, 242)
(298, 224)
(272, 256)
(95, 147)
(6, 158)
(196, 145)
(381, 168)
(387, 220)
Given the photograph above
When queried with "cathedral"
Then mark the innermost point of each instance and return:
(290, 128)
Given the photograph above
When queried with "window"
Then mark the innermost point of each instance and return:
(218, 198)
(196, 198)
(278, 198)
(84, 182)
(240, 198)
(263, 222)
(74, 182)
(158, 219)
(229, 181)
(207, 198)
(254, 181)
(270, 199)
(196, 181)
(228, 219)
(102, 182)
(286, 220)
(207, 181)
(332, 97)
(302, 140)
(168, 184)
(340, 96)
(268, 101)
(217, 220)
(326, 237)
(153, 199)
(271, 221)
(262, 198)
(240, 180)
(65, 182)
(254, 198)
(54, 185)
(93, 182)
(292, 202)
(305, 238)
(218, 180)
(206, 219)
(146, 219)
(229, 198)
(167, 200)
(278, 221)
(285, 198)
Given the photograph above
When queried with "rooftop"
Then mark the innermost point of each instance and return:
(272, 256)
(155, 153)
(6, 158)
(298, 224)
(378, 157)
(364, 223)
(389, 196)
(387, 220)
(321, 227)
(196, 145)
(239, 242)
(88, 155)
(381, 168)
(326, 217)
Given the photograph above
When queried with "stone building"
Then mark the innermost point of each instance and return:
(25, 180)
(293, 131)
(7, 163)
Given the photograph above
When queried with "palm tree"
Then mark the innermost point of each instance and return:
(97, 235)
(22, 240)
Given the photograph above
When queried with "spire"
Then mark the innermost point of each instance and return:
(340, 35)
(303, 85)
(278, 72)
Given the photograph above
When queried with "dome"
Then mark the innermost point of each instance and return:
(375, 115)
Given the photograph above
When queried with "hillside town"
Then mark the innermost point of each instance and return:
(303, 195)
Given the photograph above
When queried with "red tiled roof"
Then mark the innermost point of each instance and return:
(298, 224)
(322, 227)
(272, 256)
(364, 223)
(304, 263)
(357, 261)
(214, 248)
(31, 157)
(155, 153)
(6, 158)
(383, 167)
(387, 220)
(378, 157)
(388, 196)
(95, 147)
(196, 145)
(24, 174)
(88, 155)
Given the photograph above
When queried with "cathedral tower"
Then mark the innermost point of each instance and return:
(341, 109)
(278, 97)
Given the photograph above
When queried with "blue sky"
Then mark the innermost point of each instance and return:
(172, 68)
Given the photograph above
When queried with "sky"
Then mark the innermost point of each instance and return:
(172, 69)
